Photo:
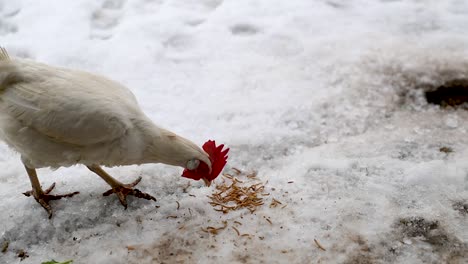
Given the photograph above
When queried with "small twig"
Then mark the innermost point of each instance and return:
(214, 230)
(229, 176)
(236, 180)
(171, 216)
(184, 189)
(252, 175)
(276, 201)
(178, 205)
(319, 245)
(235, 229)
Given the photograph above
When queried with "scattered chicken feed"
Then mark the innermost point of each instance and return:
(237, 191)
(234, 194)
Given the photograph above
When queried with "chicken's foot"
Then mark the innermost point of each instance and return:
(43, 197)
(120, 189)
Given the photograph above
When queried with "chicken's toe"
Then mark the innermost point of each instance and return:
(43, 198)
(134, 183)
(124, 190)
(45, 204)
(48, 190)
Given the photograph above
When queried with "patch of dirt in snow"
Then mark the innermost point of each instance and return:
(387, 79)
(188, 246)
(172, 248)
(428, 239)
(453, 93)
(461, 207)
(432, 237)
(404, 76)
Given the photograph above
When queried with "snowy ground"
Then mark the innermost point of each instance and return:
(325, 95)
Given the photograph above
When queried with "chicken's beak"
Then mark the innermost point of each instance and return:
(207, 182)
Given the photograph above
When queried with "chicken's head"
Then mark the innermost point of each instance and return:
(197, 169)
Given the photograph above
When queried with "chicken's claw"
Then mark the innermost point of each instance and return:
(127, 189)
(44, 198)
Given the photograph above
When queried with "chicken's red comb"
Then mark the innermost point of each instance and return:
(218, 158)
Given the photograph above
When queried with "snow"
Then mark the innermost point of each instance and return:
(324, 99)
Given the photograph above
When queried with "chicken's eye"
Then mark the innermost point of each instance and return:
(193, 164)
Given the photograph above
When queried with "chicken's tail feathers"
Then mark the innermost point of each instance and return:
(4, 54)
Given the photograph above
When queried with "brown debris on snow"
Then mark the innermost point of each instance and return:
(240, 190)
(234, 194)
(319, 246)
(214, 230)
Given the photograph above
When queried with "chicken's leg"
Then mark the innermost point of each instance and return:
(43, 197)
(120, 189)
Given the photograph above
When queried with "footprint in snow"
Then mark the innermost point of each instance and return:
(179, 43)
(7, 12)
(337, 4)
(106, 18)
(209, 5)
(201, 9)
(194, 22)
(244, 30)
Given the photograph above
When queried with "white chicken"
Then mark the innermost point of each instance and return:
(58, 117)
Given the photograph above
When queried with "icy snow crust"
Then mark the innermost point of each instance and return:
(326, 95)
